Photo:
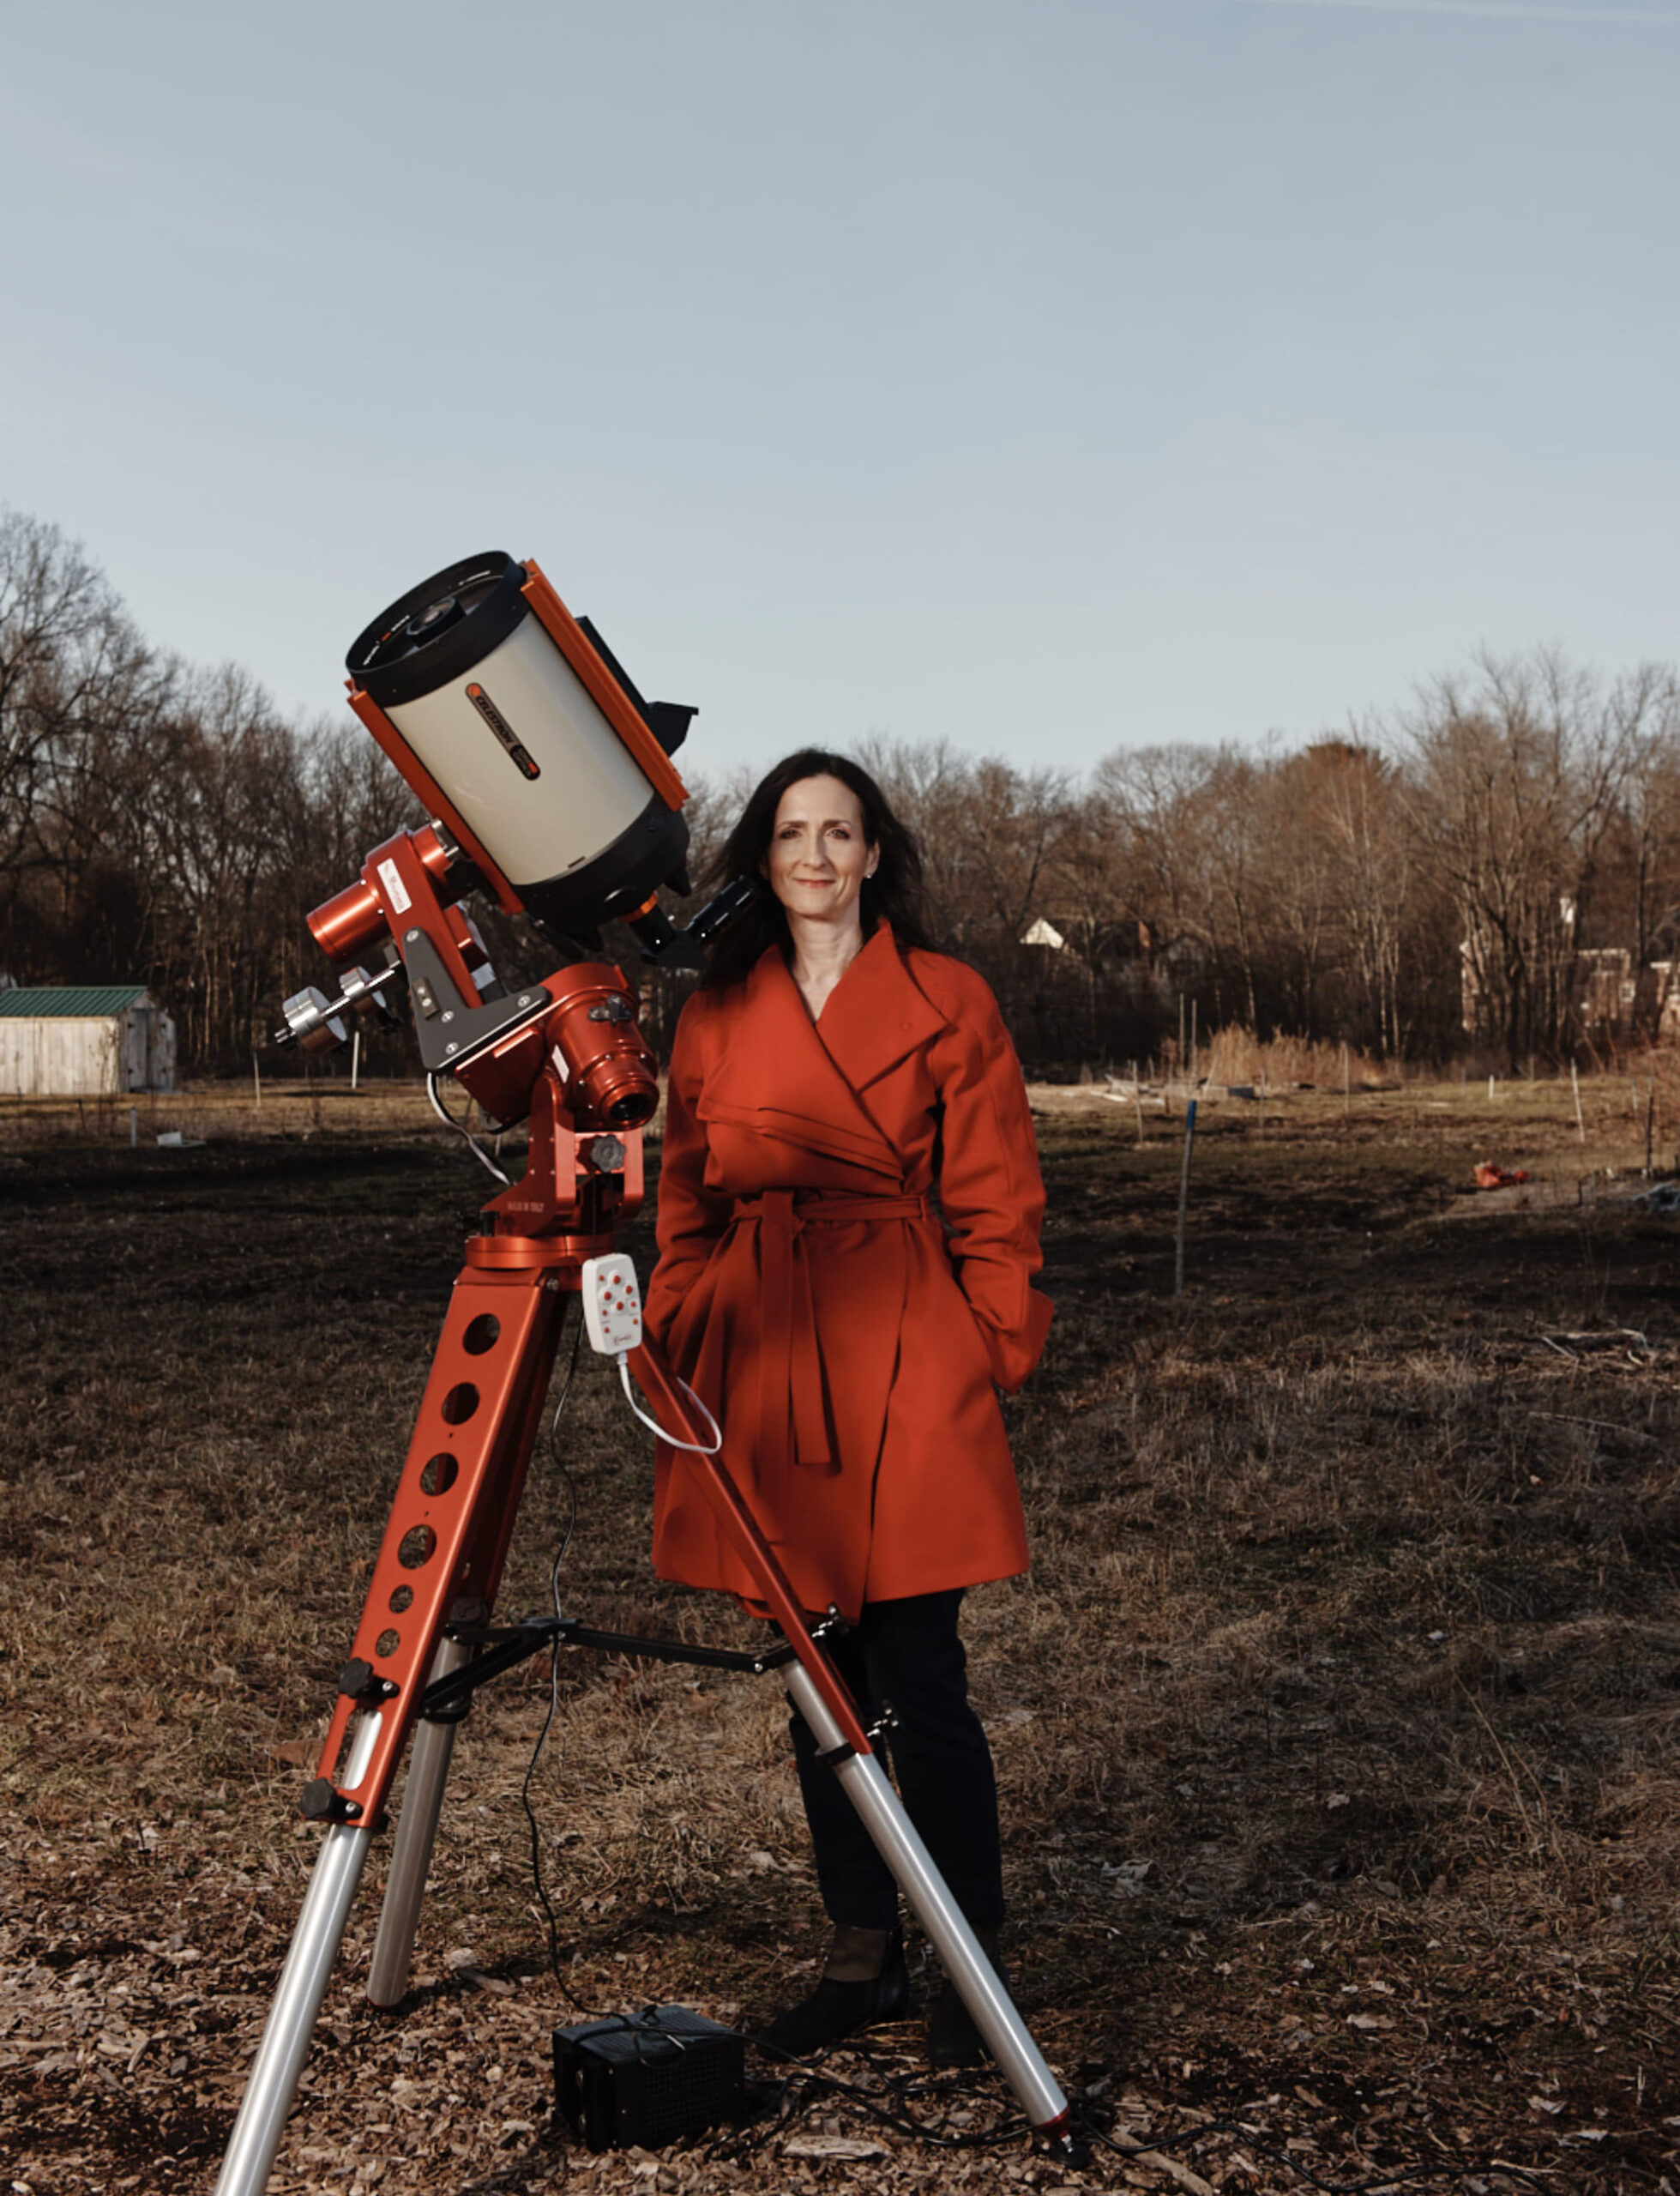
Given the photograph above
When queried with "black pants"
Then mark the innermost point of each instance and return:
(907, 1653)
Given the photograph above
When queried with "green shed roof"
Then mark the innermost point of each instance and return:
(66, 1002)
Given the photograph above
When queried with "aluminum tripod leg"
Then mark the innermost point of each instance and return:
(292, 2018)
(816, 1690)
(429, 1758)
(303, 1985)
(895, 1838)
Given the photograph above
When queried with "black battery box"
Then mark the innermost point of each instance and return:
(649, 2079)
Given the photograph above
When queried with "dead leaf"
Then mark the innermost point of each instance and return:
(832, 2146)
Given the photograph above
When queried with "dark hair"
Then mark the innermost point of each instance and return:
(893, 893)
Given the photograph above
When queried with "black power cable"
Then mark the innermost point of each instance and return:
(551, 1923)
(799, 2091)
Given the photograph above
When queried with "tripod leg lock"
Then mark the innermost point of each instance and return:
(883, 1726)
(357, 1682)
(321, 1801)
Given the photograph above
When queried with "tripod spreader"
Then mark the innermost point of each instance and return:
(508, 1645)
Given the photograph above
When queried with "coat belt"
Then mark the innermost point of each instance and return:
(792, 1405)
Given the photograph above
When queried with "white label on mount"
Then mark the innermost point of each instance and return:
(395, 892)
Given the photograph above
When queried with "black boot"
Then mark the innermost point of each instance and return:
(864, 1981)
(953, 2040)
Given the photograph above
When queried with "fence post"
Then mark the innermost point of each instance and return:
(1183, 1199)
(1575, 1085)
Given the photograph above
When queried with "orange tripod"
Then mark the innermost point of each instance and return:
(567, 1052)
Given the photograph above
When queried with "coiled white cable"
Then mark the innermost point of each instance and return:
(696, 1448)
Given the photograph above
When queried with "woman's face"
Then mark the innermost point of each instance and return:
(818, 856)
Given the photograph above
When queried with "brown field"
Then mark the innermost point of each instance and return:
(1336, 1726)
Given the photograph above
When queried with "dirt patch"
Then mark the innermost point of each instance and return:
(1336, 1727)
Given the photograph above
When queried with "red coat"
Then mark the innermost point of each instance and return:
(845, 1340)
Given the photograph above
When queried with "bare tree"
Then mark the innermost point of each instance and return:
(66, 654)
(1148, 806)
(1639, 891)
(1517, 775)
(1345, 824)
(927, 783)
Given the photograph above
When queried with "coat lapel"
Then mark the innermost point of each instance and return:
(875, 1014)
(776, 1078)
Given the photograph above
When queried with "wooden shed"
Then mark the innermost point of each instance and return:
(84, 1040)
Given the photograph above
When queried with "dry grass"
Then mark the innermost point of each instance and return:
(1236, 1055)
(1336, 1727)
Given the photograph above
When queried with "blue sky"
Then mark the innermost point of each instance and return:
(1050, 379)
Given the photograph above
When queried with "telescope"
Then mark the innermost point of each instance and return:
(519, 727)
(549, 785)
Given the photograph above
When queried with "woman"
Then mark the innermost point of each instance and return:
(848, 1225)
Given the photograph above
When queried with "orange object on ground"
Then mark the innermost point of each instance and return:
(1490, 1177)
(807, 1290)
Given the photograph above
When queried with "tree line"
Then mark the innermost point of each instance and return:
(162, 823)
(1494, 869)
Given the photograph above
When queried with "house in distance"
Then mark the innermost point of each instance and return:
(83, 1040)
